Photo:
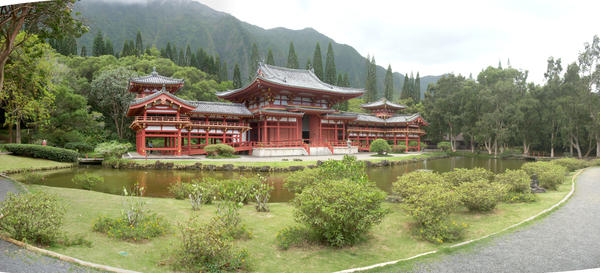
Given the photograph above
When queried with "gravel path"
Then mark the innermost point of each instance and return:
(16, 259)
(567, 239)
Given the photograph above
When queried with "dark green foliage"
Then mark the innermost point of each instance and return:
(371, 80)
(45, 152)
(317, 62)
(108, 47)
(254, 59)
(148, 227)
(270, 59)
(348, 168)
(417, 89)
(112, 149)
(139, 45)
(219, 149)
(295, 236)
(340, 212)
(205, 248)
(571, 163)
(81, 147)
(461, 175)
(237, 77)
(33, 178)
(296, 181)
(261, 191)
(388, 91)
(549, 174)
(400, 148)
(32, 217)
(515, 180)
(330, 70)
(83, 51)
(444, 146)
(481, 195)
(66, 46)
(380, 146)
(292, 61)
(413, 143)
(87, 180)
(98, 45)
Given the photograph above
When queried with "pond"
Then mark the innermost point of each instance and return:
(156, 182)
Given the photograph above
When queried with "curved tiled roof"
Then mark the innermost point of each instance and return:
(296, 78)
(220, 108)
(394, 119)
(154, 78)
(382, 103)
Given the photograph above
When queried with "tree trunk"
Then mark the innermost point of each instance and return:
(571, 146)
(495, 146)
(597, 146)
(488, 146)
(472, 144)
(18, 133)
(525, 147)
(10, 133)
(552, 145)
(577, 147)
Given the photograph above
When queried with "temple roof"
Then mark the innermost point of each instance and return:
(395, 119)
(294, 78)
(163, 91)
(155, 79)
(211, 107)
(382, 103)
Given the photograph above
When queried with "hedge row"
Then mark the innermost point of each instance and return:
(45, 152)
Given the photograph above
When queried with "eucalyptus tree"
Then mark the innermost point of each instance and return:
(589, 66)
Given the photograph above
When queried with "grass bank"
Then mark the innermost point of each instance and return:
(15, 164)
(389, 240)
(277, 164)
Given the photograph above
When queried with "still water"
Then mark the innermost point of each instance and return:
(156, 182)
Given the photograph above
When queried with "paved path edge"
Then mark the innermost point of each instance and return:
(58, 255)
(543, 212)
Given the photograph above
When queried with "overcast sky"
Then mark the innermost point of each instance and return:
(436, 37)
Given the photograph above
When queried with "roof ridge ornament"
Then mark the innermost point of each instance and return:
(154, 72)
(164, 88)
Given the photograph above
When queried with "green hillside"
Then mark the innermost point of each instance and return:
(183, 22)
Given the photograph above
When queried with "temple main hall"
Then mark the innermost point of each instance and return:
(281, 112)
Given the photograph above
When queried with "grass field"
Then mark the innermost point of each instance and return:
(389, 240)
(11, 163)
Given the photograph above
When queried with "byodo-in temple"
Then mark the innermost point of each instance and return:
(282, 112)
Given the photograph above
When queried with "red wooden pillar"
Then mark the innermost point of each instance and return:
(179, 142)
(299, 128)
(319, 140)
(143, 140)
(265, 139)
(278, 129)
(189, 141)
(419, 143)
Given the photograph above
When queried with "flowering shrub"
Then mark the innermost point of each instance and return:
(481, 195)
(549, 174)
(518, 186)
(339, 212)
(294, 236)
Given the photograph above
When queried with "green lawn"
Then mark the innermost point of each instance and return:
(389, 240)
(11, 164)
(280, 163)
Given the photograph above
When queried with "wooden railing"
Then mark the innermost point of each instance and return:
(159, 119)
(197, 123)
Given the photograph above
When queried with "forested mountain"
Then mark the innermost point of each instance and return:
(183, 22)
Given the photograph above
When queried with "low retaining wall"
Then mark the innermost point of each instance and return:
(291, 151)
(230, 167)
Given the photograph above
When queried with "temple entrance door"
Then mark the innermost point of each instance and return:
(306, 128)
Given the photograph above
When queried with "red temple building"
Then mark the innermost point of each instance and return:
(282, 112)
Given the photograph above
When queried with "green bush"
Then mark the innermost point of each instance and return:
(444, 146)
(481, 195)
(348, 168)
(33, 178)
(236, 190)
(32, 217)
(297, 181)
(261, 191)
(113, 149)
(295, 236)
(87, 180)
(147, 227)
(571, 163)
(339, 212)
(549, 174)
(400, 148)
(204, 249)
(45, 152)
(595, 162)
(116, 163)
(460, 175)
(517, 181)
(180, 190)
(380, 146)
(229, 220)
(517, 197)
(219, 149)
(430, 200)
(81, 147)
(413, 143)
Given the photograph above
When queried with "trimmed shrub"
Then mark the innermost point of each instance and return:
(430, 200)
(515, 180)
(516, 197)
(45, 152)
(113, 149)
(32, 217)
(219, 149)
(460, 175)
(348, 168)
(549, 174)
(204, 249)
(380, 146)
(87, 180)
(480, 195)
(81, 147)
(444, 146)
(297, 181)
(116, 163)
(571, 163)
(595, 162)
(400, 148)
(339, 212)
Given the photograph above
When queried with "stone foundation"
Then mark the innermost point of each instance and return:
(262, 152)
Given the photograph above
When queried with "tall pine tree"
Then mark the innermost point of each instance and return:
(139, 46)
(317, 62)
(270, 59)
(108, 47)
(181, 58)
(224, 73)
(371, 81)
(98, 45)
(330, 71)
(254, 59)
(405, 89)
(388, 91)
(417, 88)
(292, 61)
(308, 65)
(188, 56)
(237, 77)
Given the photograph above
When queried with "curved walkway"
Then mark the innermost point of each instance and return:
(567, 239)
(16, 259)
